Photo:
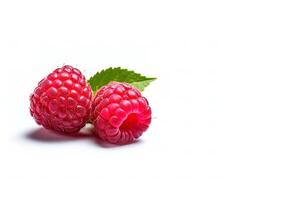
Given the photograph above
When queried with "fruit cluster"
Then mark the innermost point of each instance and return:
(64, 101)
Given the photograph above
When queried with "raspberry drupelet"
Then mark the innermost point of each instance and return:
(62, 100)
(120, 113)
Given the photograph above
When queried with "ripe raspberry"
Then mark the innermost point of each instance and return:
(120, 113)
(62, 100)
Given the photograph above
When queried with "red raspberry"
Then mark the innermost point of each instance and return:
(120, 113)
(62, 100)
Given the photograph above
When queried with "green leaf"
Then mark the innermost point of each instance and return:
(121, 75)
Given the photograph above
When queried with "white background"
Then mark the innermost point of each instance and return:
(226, 104)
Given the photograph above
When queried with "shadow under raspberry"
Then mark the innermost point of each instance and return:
(45, 135)
(48, 136)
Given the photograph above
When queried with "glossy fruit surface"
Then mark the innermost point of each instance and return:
(62, 100)
(120, 113)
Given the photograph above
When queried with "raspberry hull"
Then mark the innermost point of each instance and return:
(62, 100)
(120, 113)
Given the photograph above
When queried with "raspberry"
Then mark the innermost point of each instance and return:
(62, 100)
(120, 113)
